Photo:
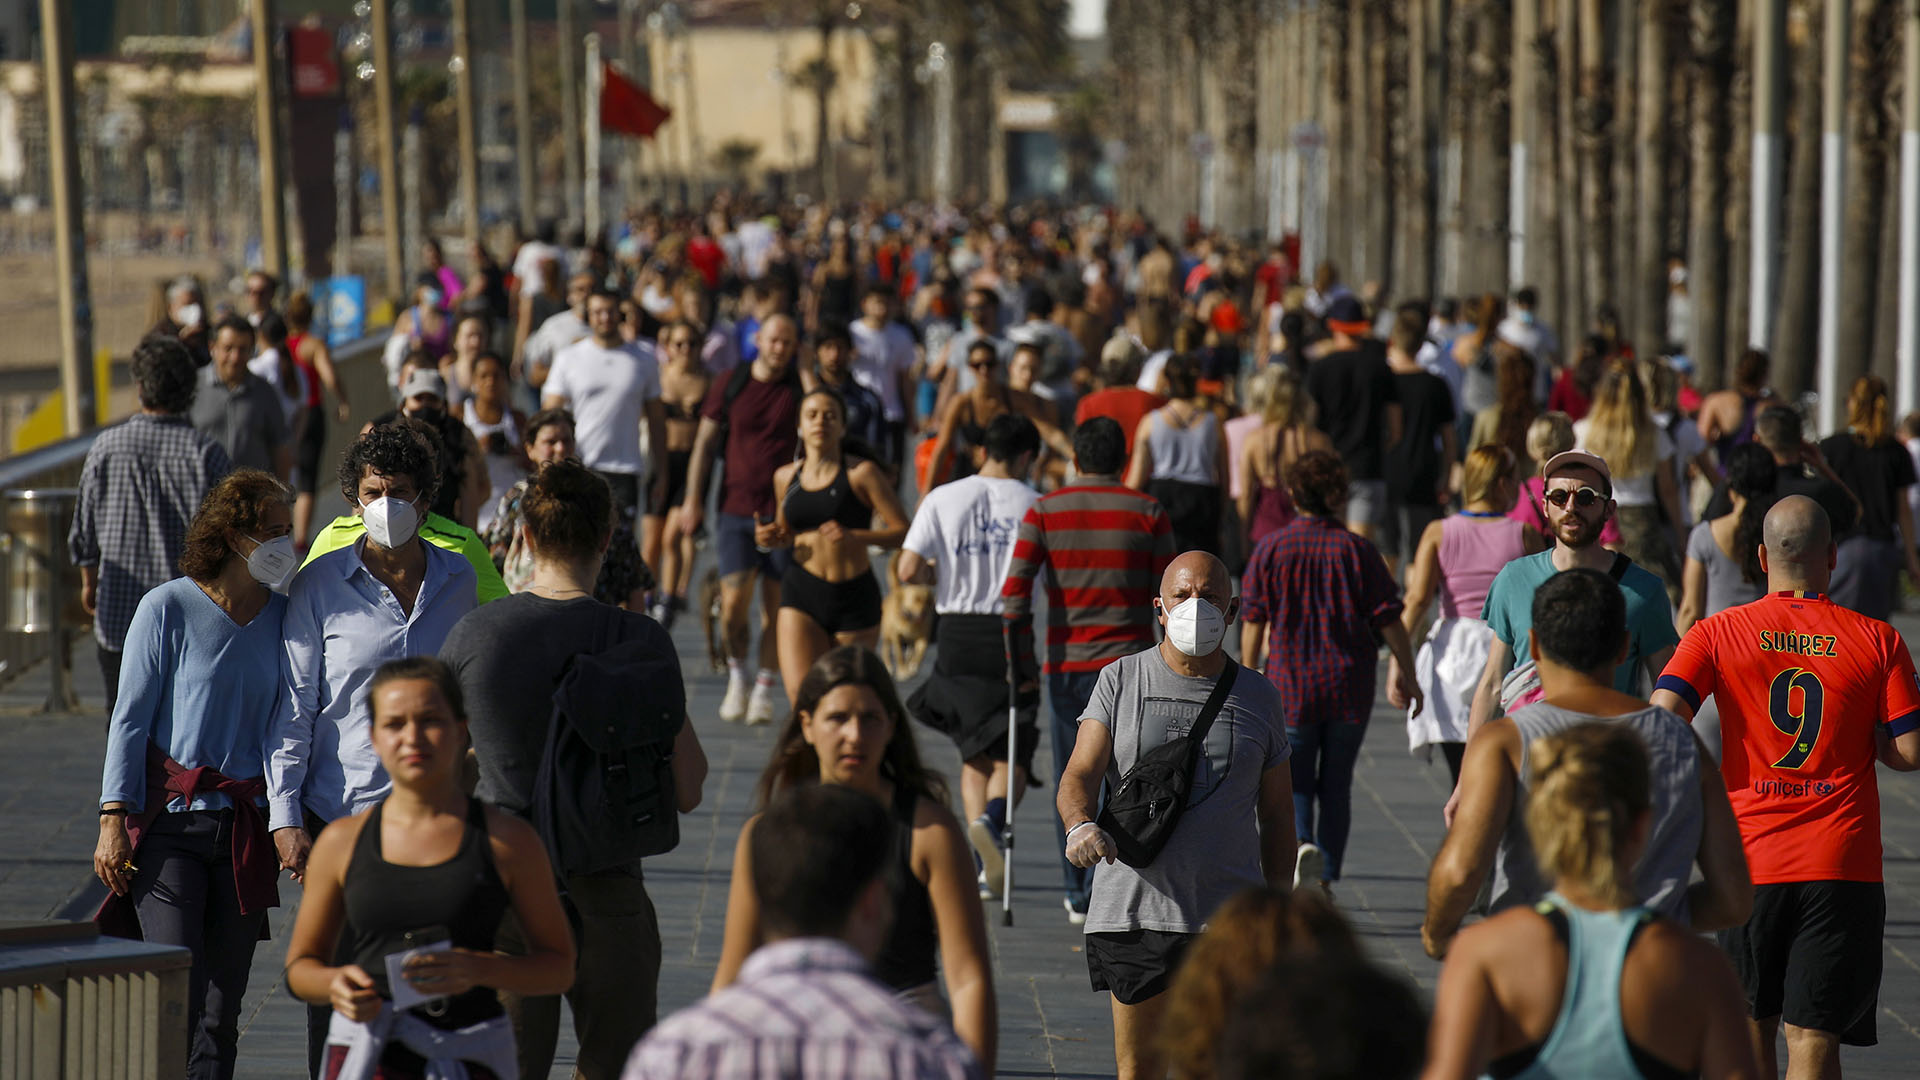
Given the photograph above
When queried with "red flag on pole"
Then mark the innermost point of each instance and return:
(627, 107)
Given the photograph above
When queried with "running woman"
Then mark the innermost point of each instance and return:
(1810, 694)
(684, 383)
(827, 502)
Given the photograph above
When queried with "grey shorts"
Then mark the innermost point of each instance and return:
(1367, 502)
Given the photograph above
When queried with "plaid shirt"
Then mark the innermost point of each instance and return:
(803, 1009)
(140, 487)
(1323, 592)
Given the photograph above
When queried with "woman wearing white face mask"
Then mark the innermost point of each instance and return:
(183, 839)
(1328, 600)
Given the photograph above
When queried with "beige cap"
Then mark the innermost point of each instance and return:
(1567, 459)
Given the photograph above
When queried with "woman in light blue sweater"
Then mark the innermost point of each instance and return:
(183, 843)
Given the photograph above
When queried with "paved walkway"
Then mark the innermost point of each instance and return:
(1051, 1024)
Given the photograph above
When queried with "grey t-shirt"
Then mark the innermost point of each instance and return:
(247, 421)
(1678, 814)
(1215, 850)
(508, 656)
(1726, 587)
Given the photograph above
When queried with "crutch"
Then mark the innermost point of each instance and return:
(1014, 782)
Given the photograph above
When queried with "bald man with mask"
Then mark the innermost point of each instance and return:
(1811, 695)
(1237, 830)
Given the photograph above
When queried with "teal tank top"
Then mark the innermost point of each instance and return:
(1589, 1038)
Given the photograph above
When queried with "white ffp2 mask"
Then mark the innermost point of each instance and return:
(273, 562)
(1196, 627)
(390, 522)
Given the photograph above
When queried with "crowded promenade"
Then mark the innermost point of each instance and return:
(663, 657)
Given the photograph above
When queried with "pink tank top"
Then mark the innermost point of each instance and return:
(1472, 551)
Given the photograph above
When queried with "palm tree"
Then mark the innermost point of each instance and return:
(1710, 40)
(1647, 275)
(1869, 130)
(1798, 305)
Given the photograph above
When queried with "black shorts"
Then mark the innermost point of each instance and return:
(307, 447)
(1135, 964)
(966, 699)
(1810, 955)
(839, 607)
(677, 463)
(626, 493)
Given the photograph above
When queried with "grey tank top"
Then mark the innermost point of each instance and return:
(1661, 878)
(1186, 454)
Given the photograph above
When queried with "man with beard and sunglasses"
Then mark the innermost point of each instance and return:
(1579, 500)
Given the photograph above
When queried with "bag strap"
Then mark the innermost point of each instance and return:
(1204, 722)
(1619, 568)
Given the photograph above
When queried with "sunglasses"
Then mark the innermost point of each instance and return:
(1582, 498)
(981, 365)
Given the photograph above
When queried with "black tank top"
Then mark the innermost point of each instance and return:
(393, 908)
(906, 961)
(808, 510)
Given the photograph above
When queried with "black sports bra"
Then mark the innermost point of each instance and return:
(808, 510)
(1651, 1067)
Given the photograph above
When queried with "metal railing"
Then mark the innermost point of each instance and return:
(29, 547)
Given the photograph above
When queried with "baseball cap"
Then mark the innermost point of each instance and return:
(423, 381)
(1566, 459)
(1346, 316)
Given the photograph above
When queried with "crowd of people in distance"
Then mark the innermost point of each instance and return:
(1168, 487)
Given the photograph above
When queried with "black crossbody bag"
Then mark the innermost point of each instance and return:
(1142, 812)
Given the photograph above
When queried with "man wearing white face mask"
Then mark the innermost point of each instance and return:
(1237, 827)
(385, 597)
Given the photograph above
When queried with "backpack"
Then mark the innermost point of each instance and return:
(604, 795)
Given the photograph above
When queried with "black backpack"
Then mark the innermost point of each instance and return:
(604, 795)
(1140, 814)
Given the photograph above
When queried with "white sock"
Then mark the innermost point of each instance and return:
(736, 671)
(764, 680)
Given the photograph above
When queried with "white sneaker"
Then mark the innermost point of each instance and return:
(1075, 917)
(987, 891)
(733, 707)
(1309, 866)
(990, 848)
(760, 706)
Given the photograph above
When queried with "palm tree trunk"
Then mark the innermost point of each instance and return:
(1886, 312)
(1458, 100)
(1793, 345)
(1626, 103)
(1572, 314)
(1339, 119)
(1739, 207)
(1488, 152)
(1865, 219)
(1594, 156)
(1415, 278)
(1376, 217)
(1648, 275)
(1543, 259)
(1710, 36)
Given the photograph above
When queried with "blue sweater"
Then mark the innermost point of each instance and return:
(199, 686)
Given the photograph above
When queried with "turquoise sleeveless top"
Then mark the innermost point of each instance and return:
(1589, 1038)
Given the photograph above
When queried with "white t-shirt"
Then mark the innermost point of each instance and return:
(267, 366)
(526, 263)
(607, 389)
(966, 529)
(1634, 490)
(879, 356)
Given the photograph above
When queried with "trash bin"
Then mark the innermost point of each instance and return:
(79, 1004)
(43, 594)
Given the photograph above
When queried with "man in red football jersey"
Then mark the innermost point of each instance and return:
(1810, 695)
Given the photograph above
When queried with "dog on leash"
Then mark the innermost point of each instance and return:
(906, 624)
(712, 627)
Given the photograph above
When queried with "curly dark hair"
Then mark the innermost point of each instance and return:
(164, 374)
(238, 503)
(400, 448)
(1318, 483)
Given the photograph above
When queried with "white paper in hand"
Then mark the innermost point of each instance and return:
(405, 996)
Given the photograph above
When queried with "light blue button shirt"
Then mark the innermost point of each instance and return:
(341, 625)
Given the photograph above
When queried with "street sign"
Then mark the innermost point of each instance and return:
(341, 303)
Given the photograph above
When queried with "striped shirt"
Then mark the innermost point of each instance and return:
(803, 1009)
(1106, 547)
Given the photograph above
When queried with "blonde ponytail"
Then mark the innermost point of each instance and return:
(1589, 785)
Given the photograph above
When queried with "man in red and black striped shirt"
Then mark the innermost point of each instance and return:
(1105, 547)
